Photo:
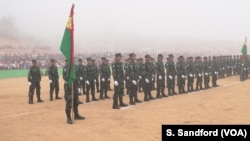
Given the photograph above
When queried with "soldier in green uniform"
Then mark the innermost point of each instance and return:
(53, 78)
(118, 75)
(147, 77)
(153, 75)
(206, 72)
(181, 75)
(34, 79)
(69, 94)
(104, 77)
(90, 80)
(109, 82)
(133, 74)
(171, 73)
(160, 77)
(215, 69)
(126, 67)
(96, 80)
(80, 73)
(198, 73)
(190, 74)
(140, 83)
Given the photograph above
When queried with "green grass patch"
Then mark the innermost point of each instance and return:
(21, 73)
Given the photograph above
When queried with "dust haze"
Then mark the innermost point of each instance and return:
(215, 27)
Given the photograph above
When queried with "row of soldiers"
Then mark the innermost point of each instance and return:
(136, 76)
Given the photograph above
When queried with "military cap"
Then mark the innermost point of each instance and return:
(89, 59)
(118, 54)
(33, 61)
(80, 60)
(131, 54)
(160, 55)
(170, 55)
(181, 57)
(93, 60)
(204, 57)
(103, 58)
(147, 56)
(52, 60)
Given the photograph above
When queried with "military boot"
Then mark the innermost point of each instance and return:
(131, 100)
(87, 97)
(57, 97)
(39, 99)
(31, 99)
(158, 95)
(121, 102)
(115, 104)
(93, 97)
(51, 96)
(77, 115)
(146, 97)
(69, 120)
(101, 96)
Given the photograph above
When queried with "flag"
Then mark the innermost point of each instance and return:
(67, 47)
(244, 51)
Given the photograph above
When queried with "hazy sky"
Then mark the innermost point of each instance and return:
(112, 23)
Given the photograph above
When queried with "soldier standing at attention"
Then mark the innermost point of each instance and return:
(198, 73)
(96, 80)
(126, 67)
(53, 78)
(181, 75)
(160, 77)
(104, 76)
(90, 80)
(171, 73)
(206, 71)
(140, 83)
(147, 77)
(34, 79)
(68, 96)
(109, 87)
(215, 69)
(118, 75)
(133, 71)
(190, 74)
(153, 75)
(81, 72)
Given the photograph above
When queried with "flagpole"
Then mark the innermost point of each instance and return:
(72, 92)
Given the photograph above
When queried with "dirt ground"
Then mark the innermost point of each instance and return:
(19, 121)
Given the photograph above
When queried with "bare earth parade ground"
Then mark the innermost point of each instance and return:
(19, 121)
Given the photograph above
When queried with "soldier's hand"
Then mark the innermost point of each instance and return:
(139, 77)
(127, 78)
(170, 77)
(94, 80)
(29, 83)
(160, 77)
(50, 81)
(191, 75)
(206, 73)
(199, 75)
(116, 83)
(80, 78)
(134, 82)
(183, 76)
(147, 81)
(103, 79)
(87, 82)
